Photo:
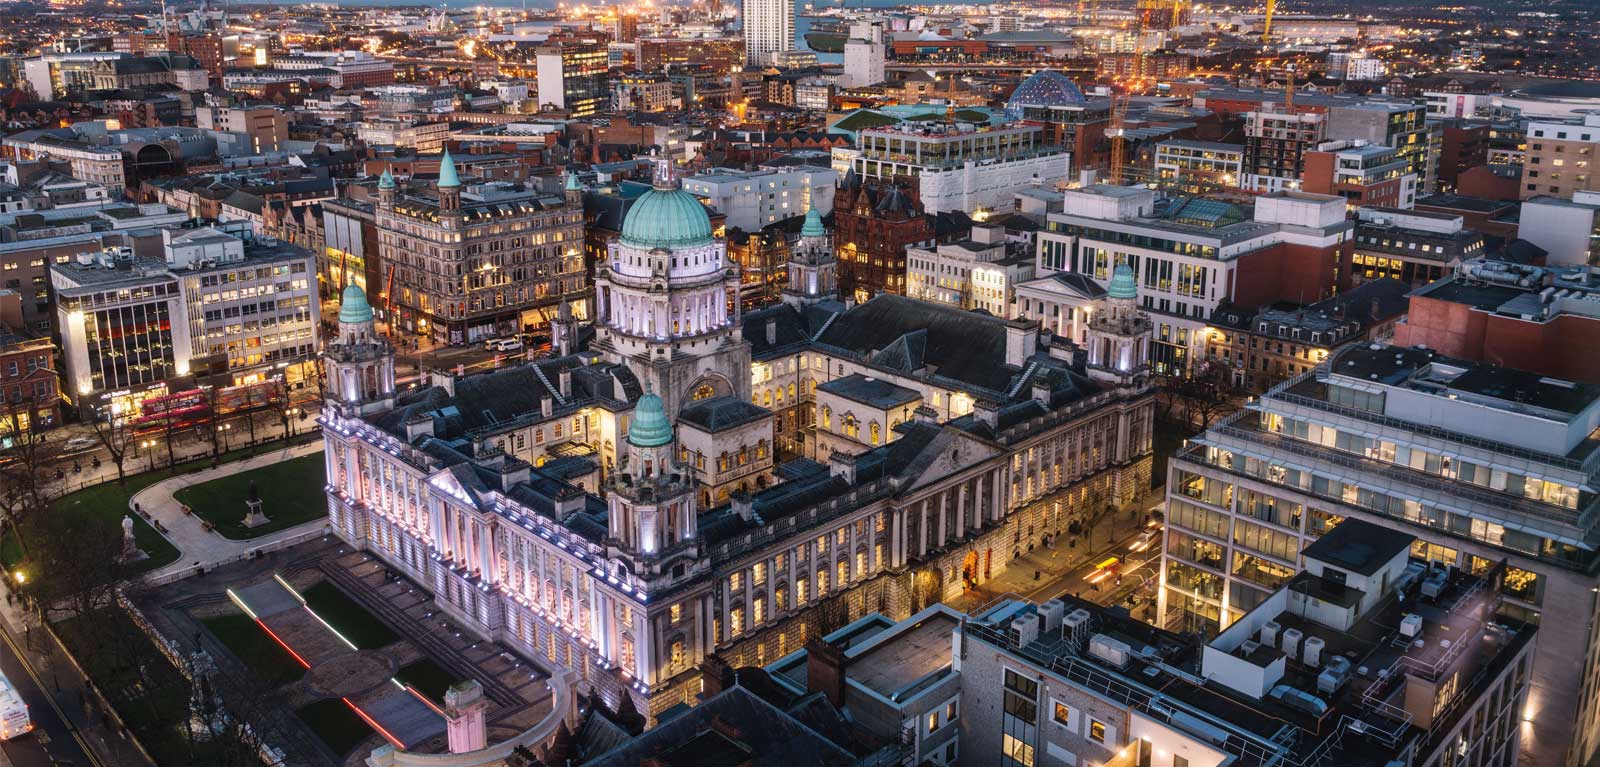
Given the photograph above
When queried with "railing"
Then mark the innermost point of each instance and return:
(1448, 492)
(1281, 392)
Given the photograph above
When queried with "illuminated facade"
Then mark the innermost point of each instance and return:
(483, 488)
(476, 262)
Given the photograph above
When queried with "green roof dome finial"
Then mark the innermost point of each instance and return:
(353, 306)
(386, 181)
(447, 170)
(1122, 283)
(813, 225)
(650, 427)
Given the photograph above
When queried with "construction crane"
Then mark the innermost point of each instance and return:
(1266, 27)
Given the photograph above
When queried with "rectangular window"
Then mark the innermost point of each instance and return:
(1097, 731)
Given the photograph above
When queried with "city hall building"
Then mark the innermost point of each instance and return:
(680, 478)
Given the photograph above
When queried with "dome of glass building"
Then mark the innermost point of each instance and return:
(1045, 88)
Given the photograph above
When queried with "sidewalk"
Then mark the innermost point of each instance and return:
(58, 679)
(198, 546)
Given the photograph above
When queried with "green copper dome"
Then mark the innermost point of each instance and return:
(650, 427)
(813, 225)
(353, 306)
(1122, 283)
(386, 181)
(666, 218)
(447, 170)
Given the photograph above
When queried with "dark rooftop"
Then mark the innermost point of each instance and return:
(1358, 546)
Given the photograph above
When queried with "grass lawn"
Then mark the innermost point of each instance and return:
(348, 617)
(256, 648)
(336, 724)
(291, 493)
(107, 503)
(428, 677)
(154, 707)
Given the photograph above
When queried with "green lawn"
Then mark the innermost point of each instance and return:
(428, 677)
(335, 724)
(291, 493)
(348, 617)
(254, 647)
(107, 504)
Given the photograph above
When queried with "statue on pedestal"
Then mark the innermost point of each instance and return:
(253, 517)
(130, 548)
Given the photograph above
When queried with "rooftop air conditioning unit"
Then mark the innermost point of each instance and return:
(1051, 613)
(1025, 630)
(1291, 643)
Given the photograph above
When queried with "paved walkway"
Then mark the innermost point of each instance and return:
(203, 548)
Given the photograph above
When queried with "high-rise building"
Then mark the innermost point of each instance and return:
(1480, 469)
(958, 166)
(220, 305)
(768, 29)
(572, 77)
(863, 55)
(1364, 174)
(1561, 157)
(474, 262)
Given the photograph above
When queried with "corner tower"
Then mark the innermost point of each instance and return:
(359, 363)
(813, 272)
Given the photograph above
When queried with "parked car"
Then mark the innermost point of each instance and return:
(79, 443)
(504, 345)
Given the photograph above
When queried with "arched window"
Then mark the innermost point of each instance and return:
(791, 391)
(876, 432)
(827, 418)
(850, 429)
(704, 391)
(768, 398)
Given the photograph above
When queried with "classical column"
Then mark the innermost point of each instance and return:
(961, 509)
(944, 516)
(922, 532)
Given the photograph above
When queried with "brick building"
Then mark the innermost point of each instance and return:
(873, 226)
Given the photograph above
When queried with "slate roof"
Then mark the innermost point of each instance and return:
(957, 344)
(722, 413)
(868, 390)
(753, 732)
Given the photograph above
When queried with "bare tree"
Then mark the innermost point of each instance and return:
(280, 401)
(76, 561)
(115, 436)
(25, 475)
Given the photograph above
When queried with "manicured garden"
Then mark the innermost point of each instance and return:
(428, 677)
(255, 648)
(333, 721)
(291, 493)
(348, 617)
(107, 503)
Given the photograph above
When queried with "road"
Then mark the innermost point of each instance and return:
(52, 742)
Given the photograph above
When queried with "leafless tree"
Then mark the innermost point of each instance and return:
(76, 561)
(117, 438)
(27, 481)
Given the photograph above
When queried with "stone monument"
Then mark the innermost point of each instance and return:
(254, 517)
(130, 548)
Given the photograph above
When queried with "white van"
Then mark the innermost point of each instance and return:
(504, 345)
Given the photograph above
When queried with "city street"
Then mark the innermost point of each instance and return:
(1065, 569)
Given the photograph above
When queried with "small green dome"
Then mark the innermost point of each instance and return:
(666, 218)
(813, 225)
(650, 427)
(386, 181)
(353, 306)
(1122, 283)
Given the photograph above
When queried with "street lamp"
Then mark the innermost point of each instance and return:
(227, 427)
